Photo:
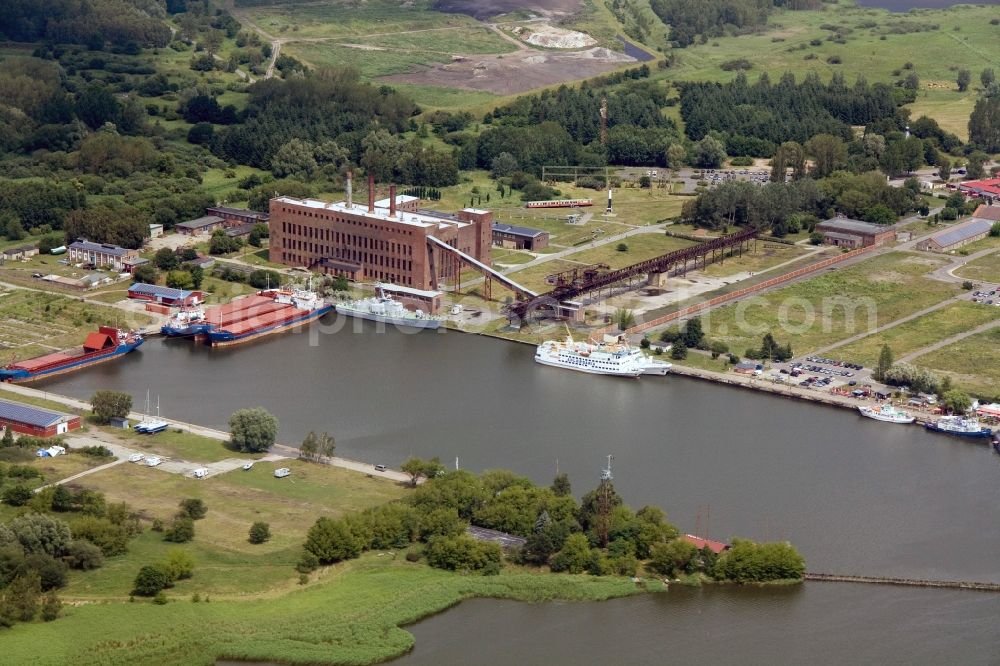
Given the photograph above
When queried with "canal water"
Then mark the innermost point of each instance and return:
(856, 496)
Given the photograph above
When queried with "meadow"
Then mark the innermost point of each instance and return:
(985, 268)
(973, 363)
(919, 333)
(835, 305)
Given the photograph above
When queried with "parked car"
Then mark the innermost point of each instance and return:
(379, 468)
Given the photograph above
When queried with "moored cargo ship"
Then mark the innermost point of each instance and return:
(186, 323)
(105, 344)
(266, 312)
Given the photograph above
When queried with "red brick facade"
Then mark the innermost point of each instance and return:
(371, 243)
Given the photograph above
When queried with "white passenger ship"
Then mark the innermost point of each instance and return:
(616, 359)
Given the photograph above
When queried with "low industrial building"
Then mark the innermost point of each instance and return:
(35, 421)
(239, 230)
(100, 254)
(129, 265)
(519, 238)
(957, 236)
(984, 212)
(155, 230)
(202, 226)
(745, 368)
(988, 187)
(851, 234)
(154, 293)
(237, 216)
(427, 300)
(19, 253)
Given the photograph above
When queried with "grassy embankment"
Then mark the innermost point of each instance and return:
(832, 306)
(352, 616)
(253, 604)
(919, 333)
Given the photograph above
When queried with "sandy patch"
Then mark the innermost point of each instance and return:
(551, 37)
(515, 73)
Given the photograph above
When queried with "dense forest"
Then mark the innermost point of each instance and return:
(117, 22)
(755, 118)
(691, 21)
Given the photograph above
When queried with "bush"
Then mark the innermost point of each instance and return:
(98, 451)
(84, 555)
(151, 580)
(463, 553)
(413, 556)
(741, 161)
(259, 533)
(749, 562)
(332, 541)
(17, 495)
(193, 508)
(621, 247)
(179, 565)
(307, 563)
(181, 530)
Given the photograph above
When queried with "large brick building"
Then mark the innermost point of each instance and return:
(376, 243)
(847, 233)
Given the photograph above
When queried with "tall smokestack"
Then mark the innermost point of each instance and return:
(371, 193)
(350, 191)
(392, 201)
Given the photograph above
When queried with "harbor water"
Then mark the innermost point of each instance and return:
(854, 495)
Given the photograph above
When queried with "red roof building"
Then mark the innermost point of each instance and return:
(987, 187)
(699, 543)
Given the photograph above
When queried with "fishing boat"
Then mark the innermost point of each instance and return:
(959, 426)
(105, 344)
(886, 413)
(384, 308)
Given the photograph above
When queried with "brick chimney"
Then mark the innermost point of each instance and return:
(371, 193)
(392, 201)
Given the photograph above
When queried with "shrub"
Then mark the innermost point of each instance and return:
(160, 599)
(307, 563)
(193, 508)
(181, 530)
(463, 553)
(151, 580)
(84, 555)
(259, 532)
(413, 556)
(17, 495)
(179, 564)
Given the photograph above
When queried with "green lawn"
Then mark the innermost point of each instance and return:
(178, 444)
(919, 333)
(351, 615)
(371, 63)
(973, 363)
(834, 305)
(230, 565)
(702, 361)
(766, 256)
(985, 268)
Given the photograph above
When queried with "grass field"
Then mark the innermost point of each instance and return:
(766, 256)
(919, 333)
(973, 363)
(228, 565)
(177, 444)
(351, 615)
(370, 63)
(985, 268)
(832, 306)
(33, 323)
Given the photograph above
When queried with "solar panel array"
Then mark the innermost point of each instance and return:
(36, 416)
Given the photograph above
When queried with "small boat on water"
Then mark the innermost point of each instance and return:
(105, 344)
(384, 308)
(959, 426)
(886, 413)
(617, 359)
